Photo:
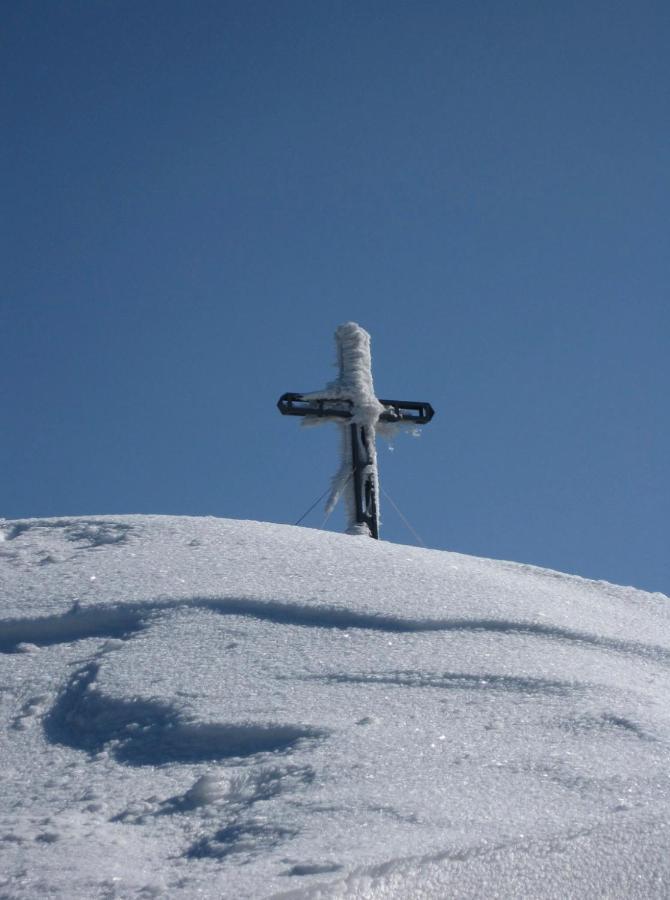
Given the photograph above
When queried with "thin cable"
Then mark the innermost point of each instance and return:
(318, 500)
(416, 534)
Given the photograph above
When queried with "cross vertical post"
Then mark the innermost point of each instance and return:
(350, 402)
(365, 480)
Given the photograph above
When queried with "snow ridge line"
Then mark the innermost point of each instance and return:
(451, 680)
(123, 620)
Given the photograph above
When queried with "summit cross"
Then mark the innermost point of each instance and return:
(350, 402)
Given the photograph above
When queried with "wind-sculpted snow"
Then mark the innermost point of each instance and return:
(74, 625)
(151, 733)
(222, 709)
(482, 681)
(121, 621)
(85, 533)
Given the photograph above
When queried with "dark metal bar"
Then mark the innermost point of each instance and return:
(298, 405)
(416, 412)
(357, 474)
(371, 512)
(407, 411)
(365, 497)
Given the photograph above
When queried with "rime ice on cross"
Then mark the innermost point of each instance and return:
(350, 402)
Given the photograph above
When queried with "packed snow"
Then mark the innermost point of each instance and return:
(211, 708)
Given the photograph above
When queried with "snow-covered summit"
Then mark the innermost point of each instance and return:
(205, 707)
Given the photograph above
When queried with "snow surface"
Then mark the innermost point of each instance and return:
(221, 709)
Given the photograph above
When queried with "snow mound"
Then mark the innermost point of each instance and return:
(205, 707)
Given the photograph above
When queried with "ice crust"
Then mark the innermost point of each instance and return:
(222, 709)
(354, 383)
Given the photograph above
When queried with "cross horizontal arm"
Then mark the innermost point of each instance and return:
(407, 411)
(299, 405)
(413, 411)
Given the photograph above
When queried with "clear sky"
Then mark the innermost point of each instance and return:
(195, 194)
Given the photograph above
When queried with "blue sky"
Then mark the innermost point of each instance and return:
(197, 193)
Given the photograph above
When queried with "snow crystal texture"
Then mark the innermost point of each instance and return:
(202, 707)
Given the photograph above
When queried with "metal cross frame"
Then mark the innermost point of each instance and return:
(360, 440)
(364, 483)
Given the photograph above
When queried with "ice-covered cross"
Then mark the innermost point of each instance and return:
(350, 402)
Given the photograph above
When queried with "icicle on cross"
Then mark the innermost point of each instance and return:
(350, 402)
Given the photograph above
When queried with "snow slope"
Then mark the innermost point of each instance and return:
(211, 708)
